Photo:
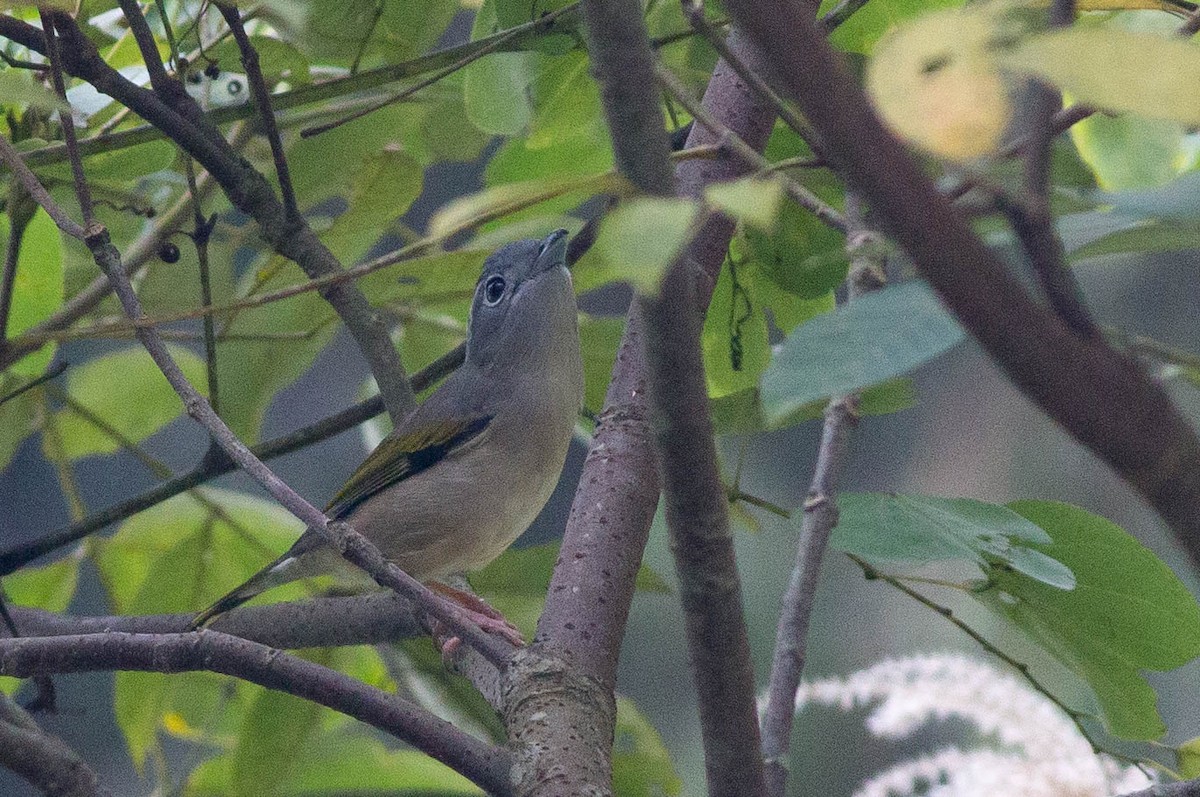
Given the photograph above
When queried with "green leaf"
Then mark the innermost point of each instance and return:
(867, 25)
(496, 93)
(48, 587)
(919, 528)
(341, 762)
(496, 87)
(1187, 757)
(18, 87)
(598, 342)
(802, 255)
(1129, 151)
(501, 200)
(278, 60)
(19, 418)
(642, 238)
(125, 390)
(179, 556)
(742, 413)
(1117, 70)
(1127, 613)
(875, 338)
(268, 348)
(752, 200)
(735, 337)
(341, 31)
(567, 100)
(119, 168)
(271, 742)
(641, 762)
(38, 288)
(384, 187)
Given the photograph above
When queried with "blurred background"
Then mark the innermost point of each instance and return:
(970, 435)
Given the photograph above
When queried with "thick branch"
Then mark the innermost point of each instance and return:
(1098, 395)
(697, 509)
(221, 653)
(313, 623)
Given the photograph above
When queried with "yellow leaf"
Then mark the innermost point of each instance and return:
(936, 85)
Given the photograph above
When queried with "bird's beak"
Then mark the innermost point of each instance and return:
(554, 251)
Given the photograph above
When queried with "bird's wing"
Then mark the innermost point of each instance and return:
(401, 456)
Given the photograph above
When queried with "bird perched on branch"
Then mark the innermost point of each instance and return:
(465, 474)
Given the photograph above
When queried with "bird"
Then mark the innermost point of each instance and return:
(463, 475)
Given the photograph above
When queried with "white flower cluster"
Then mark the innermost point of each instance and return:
(1037, 751)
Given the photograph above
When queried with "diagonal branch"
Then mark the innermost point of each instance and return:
(1098, 395)
(262, 99)
(213, 651)
(44, 760)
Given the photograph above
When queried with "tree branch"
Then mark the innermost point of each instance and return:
(696, 504)
(213, 651)
(262, 99)
(312, 623)
(820, 517)
(1098, 395)
(44, 760)
(1031, 217)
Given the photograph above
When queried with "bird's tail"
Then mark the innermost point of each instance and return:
(270, 576)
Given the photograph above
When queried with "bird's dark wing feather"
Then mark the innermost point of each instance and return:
(406, 455)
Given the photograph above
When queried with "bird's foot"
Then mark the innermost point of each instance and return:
(479, 612)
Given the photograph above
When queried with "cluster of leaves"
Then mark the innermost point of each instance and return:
(530, 115)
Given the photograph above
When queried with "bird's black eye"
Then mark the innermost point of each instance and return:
(493, 291)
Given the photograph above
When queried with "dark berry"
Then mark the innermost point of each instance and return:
(168, 252)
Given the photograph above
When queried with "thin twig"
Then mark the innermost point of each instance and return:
(694, 11)
(20, 213)
(696, 504)
(201, 231)
(29, 181)
(799, 194)
(51, 373)
(1031, 217)
(185, 122)
(140, 253)
(353, 546)
(42, 759)
(820, 517)
(1099, 395)
(144, 38)
(356, 548)
(83, 192)
(262, 99)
